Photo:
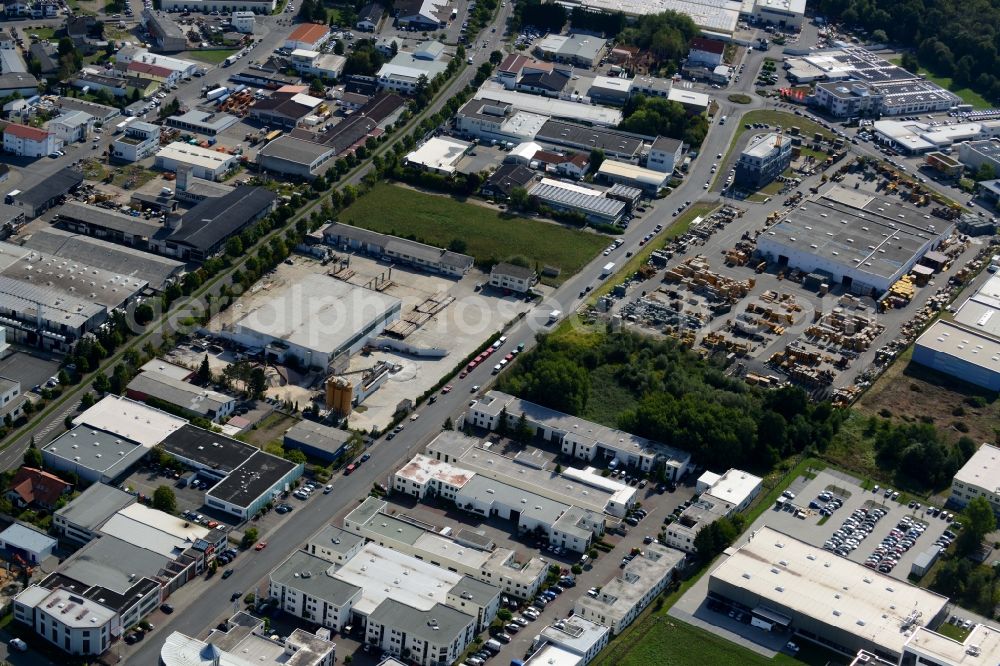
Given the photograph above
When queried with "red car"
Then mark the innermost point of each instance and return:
(462, 374)
(446, 389)
(261, 545)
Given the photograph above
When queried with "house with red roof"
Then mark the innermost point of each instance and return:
(26, 141)
(36, 487)
(706, 52)
(158, 73)
(307, 36)
(574, 165)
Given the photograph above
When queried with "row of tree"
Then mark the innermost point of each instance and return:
(677, 398)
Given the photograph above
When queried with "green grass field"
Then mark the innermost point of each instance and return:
(968, 95)
(488, 235)
(212, 57)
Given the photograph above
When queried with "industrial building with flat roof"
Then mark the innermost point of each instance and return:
(317, 440)
(647, 180)
(894, 91)
(50, 301)
(187, 397)
(452, 458)
(493, 120)
(156, 271)
(573, 198)
(484, 562)
(913, 137)
(130, 420)
(578, 636)
(789, 585)
(81, 519)
(94, 455)
(979, 477)
(621, 600)
(865, 242)
(313, 320)
(578, 437)
(735, 488)
(397, 250)
(614, 143)
(926, 647)
(204, 163)
(968, 345)
(547, 106)
(439, 155)
(713, 17)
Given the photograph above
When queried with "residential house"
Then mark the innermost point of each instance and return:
(503, 181)
(370, 17)
(510, 277)
(573, 165)
(37, 488)
(26, 141)
(706, 52)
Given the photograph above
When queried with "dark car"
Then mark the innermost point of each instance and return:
(235, 595)
(227, 573)
(167, 608)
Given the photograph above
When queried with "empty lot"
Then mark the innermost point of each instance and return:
(488, 236)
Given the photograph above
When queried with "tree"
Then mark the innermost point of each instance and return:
(250, 537)
(458, 245)
(879, 36)
(909, 62)
(519, 198)
(523, 432)
(234, 247)
(596, 159)
(295, 456)
(985, 172)
(496, 57)
(257, 383)
(979, 520)
(505, 615)
(164, 499)
(32, 456)
(448, 425)
(204, 371)
(101, 383)
(338, 47)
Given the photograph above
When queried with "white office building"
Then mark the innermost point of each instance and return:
(621, 600)
(979, 477)
(203, 163)
(578, 437)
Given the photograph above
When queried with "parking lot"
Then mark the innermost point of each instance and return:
(802, 516)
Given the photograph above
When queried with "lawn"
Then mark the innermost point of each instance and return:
(488, 236)
(670, 641)
(953, 632)
(44, 33)
(132, 177)
(968, 95)
(211, 56)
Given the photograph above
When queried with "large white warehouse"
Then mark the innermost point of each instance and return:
(314, 320)
(865, 242)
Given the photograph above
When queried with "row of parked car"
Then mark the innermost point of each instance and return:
(900, 539)
(854, 530)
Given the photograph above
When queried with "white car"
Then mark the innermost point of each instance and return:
(18, 645)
